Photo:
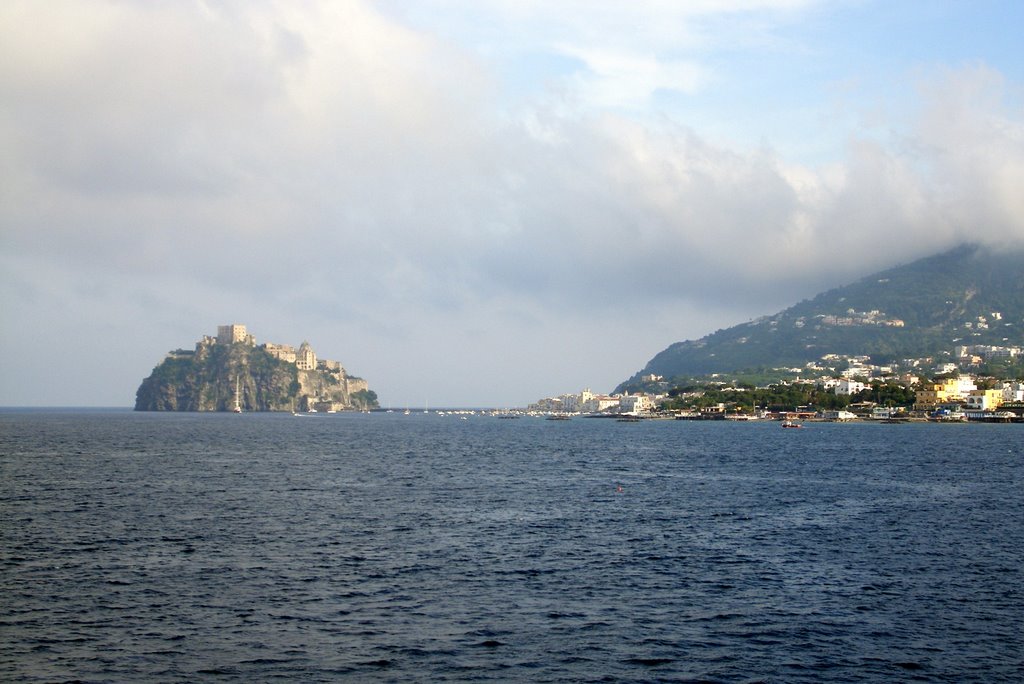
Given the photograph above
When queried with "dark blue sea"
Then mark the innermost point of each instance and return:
(140, 547)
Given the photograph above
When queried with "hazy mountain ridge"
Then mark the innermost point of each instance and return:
(966, 296)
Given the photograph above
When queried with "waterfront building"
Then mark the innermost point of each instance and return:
(984, 400)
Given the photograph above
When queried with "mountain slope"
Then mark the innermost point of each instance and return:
(966, 296)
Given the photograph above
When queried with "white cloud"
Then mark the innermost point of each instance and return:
(617, 80)
(320, 171)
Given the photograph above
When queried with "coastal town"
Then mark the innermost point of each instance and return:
(838, 388)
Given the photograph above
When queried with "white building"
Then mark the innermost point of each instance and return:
(635, 403)
(1013, 391)
(848, 387)
(573, 403)
(965, 385)
(599, 403)
(839, 416)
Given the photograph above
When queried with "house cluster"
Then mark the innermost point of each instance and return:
(958, 391)
(304, 357)
(976, 354)
(957, 395)
(962, 392)
(586, 402)
(853, 317)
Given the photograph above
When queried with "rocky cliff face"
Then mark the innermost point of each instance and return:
(214, 375)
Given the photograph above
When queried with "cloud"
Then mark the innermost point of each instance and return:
(973, 146)
(615, 79)
(322, 170)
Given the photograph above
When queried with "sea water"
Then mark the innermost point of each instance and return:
(391, 547)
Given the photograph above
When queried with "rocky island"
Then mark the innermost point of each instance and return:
(230, 372)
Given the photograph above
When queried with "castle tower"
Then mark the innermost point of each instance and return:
(229, 334)
(305, 359)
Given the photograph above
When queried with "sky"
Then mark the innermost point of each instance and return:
(477, 202)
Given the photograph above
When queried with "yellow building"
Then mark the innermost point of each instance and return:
(939, 392)
(985, 400)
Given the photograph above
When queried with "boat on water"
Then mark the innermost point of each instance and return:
(558, 416)
(954, 415)
(791, 424)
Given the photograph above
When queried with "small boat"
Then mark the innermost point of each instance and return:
(791, 424)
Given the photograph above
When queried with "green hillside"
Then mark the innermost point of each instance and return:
(967, 296)
(219, 376)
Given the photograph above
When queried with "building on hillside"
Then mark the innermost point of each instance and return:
(305, 359)
(234, 333)
(1013, 391)
(848, 387)
(908, 380)
(284, 352)
(827, 383)
(856, 371)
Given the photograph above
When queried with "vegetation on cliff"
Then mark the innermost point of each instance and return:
(215, 376)
(210, 379)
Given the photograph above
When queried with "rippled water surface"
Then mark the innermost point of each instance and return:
(186, 547)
